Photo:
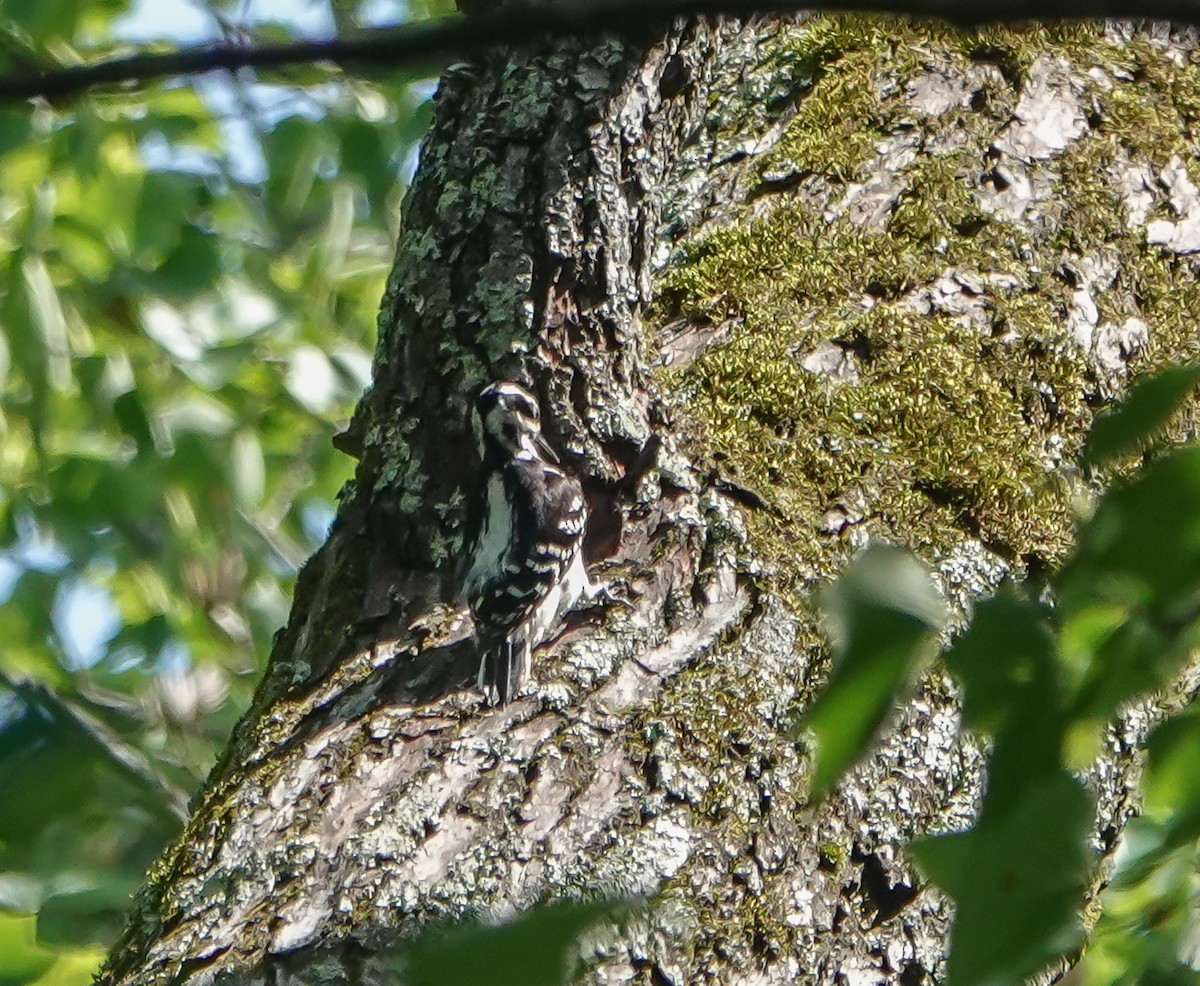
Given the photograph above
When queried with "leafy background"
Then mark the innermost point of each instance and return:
(189, 282)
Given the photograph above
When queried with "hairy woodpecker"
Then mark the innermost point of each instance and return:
(526, 568)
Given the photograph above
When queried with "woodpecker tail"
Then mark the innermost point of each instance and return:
(502, 670)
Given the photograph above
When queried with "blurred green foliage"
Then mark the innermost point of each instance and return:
(1041, 682)
(881, 615)
(540, 948)
(190, 275)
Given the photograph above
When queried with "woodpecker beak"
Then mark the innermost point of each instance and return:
(545, 450)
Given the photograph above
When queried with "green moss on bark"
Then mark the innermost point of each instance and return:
(959, 418)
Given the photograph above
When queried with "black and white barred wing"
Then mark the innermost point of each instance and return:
(541, 577)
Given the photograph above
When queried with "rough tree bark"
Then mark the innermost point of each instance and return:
(368, 791)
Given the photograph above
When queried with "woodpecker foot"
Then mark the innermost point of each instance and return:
(605, 595)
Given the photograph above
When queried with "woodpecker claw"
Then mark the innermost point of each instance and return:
(602, 595)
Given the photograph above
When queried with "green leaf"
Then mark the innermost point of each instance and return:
(178, 115)
(294, 150)
(196, 414)
(1128, 596)
(882, 613)
(61, 766)
(76, 967)
(131, 416)
(26, 345)
(83, 248)
(165, 203)
(190, 268)
(1177, 974)
(91, 492)
(1172, 797)
(1142, 546)
(247, 471)
(1135, 657)
(21, 960)
(537, 949)
(1141, 416)
(93, 916)
(367, 151)
(44, 19)
(1017, 880)
(1148, 920)
(16, 129)
(1007, 665)
(1006, 654)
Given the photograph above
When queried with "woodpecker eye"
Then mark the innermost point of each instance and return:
(522, 406)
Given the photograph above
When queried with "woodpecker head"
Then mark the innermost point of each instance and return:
(510, 420)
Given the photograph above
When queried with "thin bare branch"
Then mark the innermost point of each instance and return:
(428, 43)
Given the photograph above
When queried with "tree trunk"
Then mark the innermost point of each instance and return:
(892, 268)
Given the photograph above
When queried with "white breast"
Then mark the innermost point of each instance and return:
(560, 599)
